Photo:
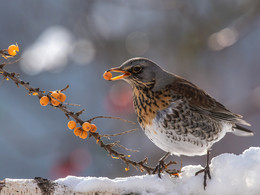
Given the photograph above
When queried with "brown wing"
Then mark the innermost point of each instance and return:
(203, 103)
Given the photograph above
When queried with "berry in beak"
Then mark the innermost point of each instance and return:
(108, 76)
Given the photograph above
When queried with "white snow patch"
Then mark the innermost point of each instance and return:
(231, 174)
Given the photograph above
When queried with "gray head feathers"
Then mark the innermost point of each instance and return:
(145, 71)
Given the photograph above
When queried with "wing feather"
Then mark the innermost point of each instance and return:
(203, 103)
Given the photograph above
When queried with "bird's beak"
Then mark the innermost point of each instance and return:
(124, 75)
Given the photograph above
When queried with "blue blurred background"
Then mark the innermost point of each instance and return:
(214, 44)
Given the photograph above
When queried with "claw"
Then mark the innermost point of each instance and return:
(206, 171)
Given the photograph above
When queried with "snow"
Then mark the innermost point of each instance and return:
(231, 174)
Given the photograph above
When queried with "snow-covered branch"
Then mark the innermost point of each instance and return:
(231, 174)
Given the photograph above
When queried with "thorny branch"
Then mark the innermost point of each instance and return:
(141, 165)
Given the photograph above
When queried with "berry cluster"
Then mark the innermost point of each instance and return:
(57, 97)
(82, 131)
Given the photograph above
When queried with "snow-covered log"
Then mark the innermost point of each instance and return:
(231, 174)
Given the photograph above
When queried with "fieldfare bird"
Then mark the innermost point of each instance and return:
(176, 115)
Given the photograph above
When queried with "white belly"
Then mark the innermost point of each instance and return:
(187, 145)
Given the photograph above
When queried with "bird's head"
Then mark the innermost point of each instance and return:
(139, 72)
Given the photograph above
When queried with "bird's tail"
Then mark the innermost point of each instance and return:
(241, 131)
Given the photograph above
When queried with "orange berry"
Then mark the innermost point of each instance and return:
(93, 128)
(44, 100)
(55, 95)
(86, 126)
(107, 75)
(54, 101)
(83, 135)
(77, 131)
(62, 97)
(12, 49)
(72, 124)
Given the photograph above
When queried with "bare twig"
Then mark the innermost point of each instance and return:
(117, 134)
(70, 104)
(127, 149)
(110, 117)
(65, 88)
(80, 112)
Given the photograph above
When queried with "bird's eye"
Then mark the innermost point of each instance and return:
(136, 69)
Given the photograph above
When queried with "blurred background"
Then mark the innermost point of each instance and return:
(214, 44)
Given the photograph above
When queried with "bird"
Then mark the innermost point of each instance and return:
(176, 115)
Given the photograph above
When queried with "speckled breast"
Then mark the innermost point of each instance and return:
(147, 103)
(170, 124)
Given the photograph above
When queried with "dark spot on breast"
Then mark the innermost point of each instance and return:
(175, 113)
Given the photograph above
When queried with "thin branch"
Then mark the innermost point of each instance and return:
(127, 149)
(70, 104)
(80, 112)
(65, 88)
(117, 134)
(111, 117)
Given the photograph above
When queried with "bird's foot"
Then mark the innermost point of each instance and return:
(206, 171)
(160, 167)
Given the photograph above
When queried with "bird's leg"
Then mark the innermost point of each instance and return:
(160, 164)
(206, 171)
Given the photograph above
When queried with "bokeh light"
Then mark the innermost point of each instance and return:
(83, 52)
(223, 39)
(49, 52)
